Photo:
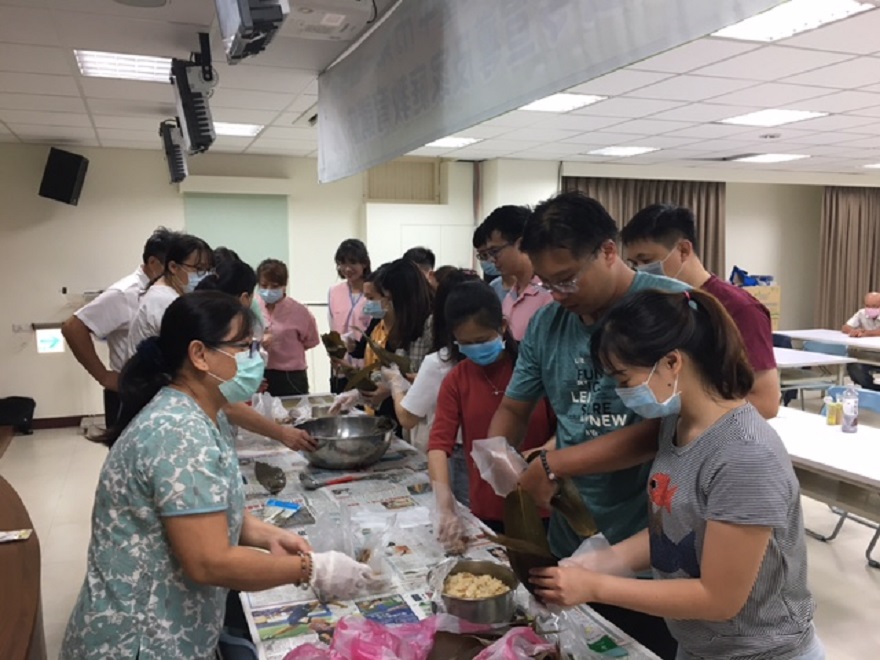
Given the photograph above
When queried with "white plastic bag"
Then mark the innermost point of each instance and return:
(500, 465)
(270, 407)
(596, 554)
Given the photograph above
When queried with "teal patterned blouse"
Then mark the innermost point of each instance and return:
(136, 602)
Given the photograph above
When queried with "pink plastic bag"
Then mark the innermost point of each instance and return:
(357, 638)
(517, 644)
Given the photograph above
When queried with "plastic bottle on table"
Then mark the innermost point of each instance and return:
(850, 410)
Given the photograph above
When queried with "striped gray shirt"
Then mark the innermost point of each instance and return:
(738, 472)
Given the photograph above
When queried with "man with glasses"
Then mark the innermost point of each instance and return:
(660, 239)
(108, 317)
(571, 241)
(502, 235)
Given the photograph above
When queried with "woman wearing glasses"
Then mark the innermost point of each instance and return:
(170, 534)
(188, 262)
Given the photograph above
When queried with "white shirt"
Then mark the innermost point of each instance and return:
(109, 316)
(421, 399)
(860, 321)
(148, 319)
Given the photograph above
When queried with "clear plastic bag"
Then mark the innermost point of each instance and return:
(516, 644)
(270, 407)
(500, 465)
(596, 554)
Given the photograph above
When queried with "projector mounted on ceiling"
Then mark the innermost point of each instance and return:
(330, 20)
(248, 26)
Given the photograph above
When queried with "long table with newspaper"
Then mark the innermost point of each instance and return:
(387, 506)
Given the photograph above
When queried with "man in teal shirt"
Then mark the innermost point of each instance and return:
(571, 241)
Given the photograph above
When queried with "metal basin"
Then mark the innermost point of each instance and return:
(497, 609)
(345, 443)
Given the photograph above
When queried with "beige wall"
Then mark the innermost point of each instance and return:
(774, 230)
(45, 246)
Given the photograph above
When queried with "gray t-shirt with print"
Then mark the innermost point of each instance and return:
(737, 472)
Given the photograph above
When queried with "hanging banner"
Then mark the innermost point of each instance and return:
(435, 67)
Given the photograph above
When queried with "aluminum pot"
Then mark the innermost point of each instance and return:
(497, 609)
(345, 443)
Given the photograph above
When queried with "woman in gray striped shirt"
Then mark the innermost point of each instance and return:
(725, 539)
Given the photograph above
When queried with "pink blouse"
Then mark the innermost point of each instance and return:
(294, 331)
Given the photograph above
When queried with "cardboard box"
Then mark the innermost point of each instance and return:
(769, 296)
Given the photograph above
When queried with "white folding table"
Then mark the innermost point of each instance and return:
(790, 359)
(840, 469)
(866, 349)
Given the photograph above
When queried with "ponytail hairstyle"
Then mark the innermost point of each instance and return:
(476, 301)
(447, 280)
(648, 325)
(205, 316)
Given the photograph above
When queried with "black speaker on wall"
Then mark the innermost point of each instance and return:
(64, 175)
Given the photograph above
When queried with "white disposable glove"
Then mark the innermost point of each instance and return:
(449, 526)
(336, 576)
(395, 380)
(345, 402)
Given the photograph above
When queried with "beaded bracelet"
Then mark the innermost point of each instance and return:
(307, 568)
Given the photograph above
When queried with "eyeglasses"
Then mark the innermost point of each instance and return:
(568, 286)
(195, 269)
(491, 254)
(252, 346)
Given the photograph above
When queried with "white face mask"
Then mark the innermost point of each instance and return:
(656, 267)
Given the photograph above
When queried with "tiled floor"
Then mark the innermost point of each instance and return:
(55, 473)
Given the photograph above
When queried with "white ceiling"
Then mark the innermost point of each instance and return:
(671, 101)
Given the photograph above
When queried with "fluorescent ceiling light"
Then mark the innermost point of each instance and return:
(563, 102)
(772, 117)
(791, 18)
(770, 158)
(99, 64)
(237, 130)
(622, 152)
(452, 142)
(875, 166)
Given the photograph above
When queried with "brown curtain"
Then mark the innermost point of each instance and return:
(849, 252)
(625, 197)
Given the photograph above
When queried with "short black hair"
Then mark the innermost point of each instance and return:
(421, 257)
(509, 221)
(661, 223)
(569, 221)
(183, 245)
(352, 250)
(477, 301)
(480, 237)
(157, 244)
(232, 276)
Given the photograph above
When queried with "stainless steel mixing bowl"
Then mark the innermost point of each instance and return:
(497, 609)
(345, 443)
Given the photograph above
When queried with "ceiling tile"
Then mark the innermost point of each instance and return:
(857, 35)
(515, 119)
(504, 146)
(129, 135)
(33, 83)
(131, 144)
(695, 55)
(238, 99)
(41, 102)
(863, 143)
(557, 148)
(197, 13)
(649, 127)
(263, 78)
(840, 102)
(129, 123)
(302, 103)
(129, 90)
(833, 123)
(231, 144)
(710, 131)
(771, 95)
(628, 107)
(290, 133)
(25, 58)
(771, 63)
(239, 116)
(828, 138)
(27, 25)
(30, 131)
(846, 75)
(580, 123)
(484, 132)
(429, 151)
(121, 107)
(703, 112)
(619, 82)
(309, 54)
(691, 88)
(279, 150)
(540, 134)
(664, 142)
(45, 118)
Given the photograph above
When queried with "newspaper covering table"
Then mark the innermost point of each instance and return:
(392, 509)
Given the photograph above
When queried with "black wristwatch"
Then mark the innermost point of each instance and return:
(546, 465)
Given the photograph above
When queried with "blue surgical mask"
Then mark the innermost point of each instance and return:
(643, 402)
(271, 296)
(374, 309)
(482, 354)
(247, 379)
(193, 280)
(489, 268)
(656, 267)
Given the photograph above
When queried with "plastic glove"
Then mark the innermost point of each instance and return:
(336, 576)
(449, 526)
(597, 555)
(395, 380)
(345, 402)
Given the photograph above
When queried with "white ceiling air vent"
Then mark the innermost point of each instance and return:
(330, 20)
